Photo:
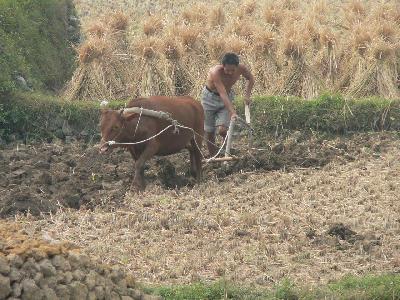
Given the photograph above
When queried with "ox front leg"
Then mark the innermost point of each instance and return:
(138, 183)
(195, 160)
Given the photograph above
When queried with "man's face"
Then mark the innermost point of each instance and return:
(229, 69)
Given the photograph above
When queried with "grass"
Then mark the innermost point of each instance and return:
(38, 116)
(385, 286)
(327, 113)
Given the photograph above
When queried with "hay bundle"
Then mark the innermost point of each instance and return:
(217, 17)
(242, 28)
(380, 76)
(118, 25)
(192, 39)
(216, 45)
(326, 59)
(354, 58)
(311, 34)
(299, 78)
(247, 9)
(153, 25)
(355, 12)
(320, 11)
(189, 35)
(195, 14)
(274, 16)
(177, 74)
(96, 29)
(117, 21)
(150, 80)
(104, 61)
(100, 74)
(237, 45)
(264, 62)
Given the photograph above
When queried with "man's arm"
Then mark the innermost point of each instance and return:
(250, 83)
(222, 92)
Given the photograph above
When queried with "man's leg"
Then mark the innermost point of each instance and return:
(222, 122)
(209, 129)
(212, 149)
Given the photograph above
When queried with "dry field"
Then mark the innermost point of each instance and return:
(329, 207)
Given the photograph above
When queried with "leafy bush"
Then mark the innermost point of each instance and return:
(38, 116)
(328, 113)
(35, 42)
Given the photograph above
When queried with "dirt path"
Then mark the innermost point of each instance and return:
(309, 209)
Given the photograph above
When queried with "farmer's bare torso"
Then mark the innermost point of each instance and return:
(227, 80)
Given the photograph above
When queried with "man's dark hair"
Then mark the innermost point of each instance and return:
(230, 59)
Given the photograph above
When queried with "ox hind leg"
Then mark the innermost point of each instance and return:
(149, 151)
(195, 159)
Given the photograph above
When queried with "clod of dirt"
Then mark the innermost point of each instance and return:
(25, 201)
(342, 231)
(247, 163)
(168, 176)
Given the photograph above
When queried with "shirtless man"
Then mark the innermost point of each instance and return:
(218, 96)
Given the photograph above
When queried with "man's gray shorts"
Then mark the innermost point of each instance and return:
(215, 112)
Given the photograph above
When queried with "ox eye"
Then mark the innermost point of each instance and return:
(115, 127)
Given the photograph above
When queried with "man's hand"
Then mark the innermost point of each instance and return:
(233, 114)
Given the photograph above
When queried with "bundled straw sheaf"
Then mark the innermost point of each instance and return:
(292, 48)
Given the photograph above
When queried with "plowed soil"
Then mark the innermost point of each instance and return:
(306, 207)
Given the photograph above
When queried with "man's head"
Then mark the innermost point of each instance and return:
(230, 62)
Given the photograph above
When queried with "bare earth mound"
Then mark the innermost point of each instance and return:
(34, 267)
(313, 210)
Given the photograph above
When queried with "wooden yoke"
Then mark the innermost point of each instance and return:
(149, 112)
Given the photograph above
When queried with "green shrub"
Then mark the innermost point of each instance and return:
(35, 42)
(38, 116)
(328, 113)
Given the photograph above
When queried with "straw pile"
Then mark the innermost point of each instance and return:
(292, 48)
(103, 62)
(150, 79)
(299, 78)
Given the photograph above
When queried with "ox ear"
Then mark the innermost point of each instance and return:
(128, 116)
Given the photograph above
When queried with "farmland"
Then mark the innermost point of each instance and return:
(317, 201)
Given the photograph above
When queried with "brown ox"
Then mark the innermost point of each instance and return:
(123, 127)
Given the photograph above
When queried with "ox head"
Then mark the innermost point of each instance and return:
(113, 127)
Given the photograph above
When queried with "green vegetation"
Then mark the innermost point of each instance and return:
(350, 287)
(328, 113)
(33, 115)
(35, 43)
(38, 116)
